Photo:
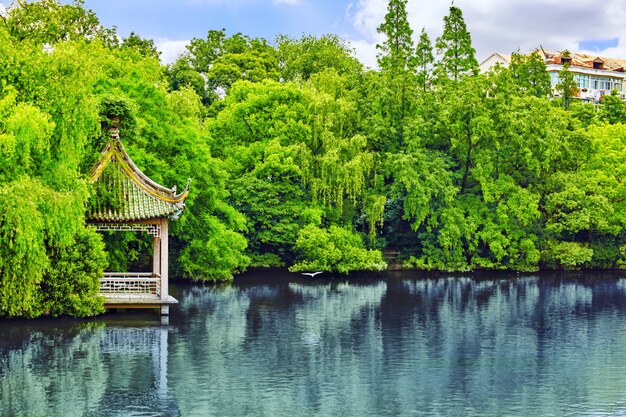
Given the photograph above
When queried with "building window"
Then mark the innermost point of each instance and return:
(565, 60)
(582, 80)
(598, 65)
(595, 83)
(602, 83)
(554, 78)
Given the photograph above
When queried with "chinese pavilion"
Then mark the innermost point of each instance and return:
(127, 200)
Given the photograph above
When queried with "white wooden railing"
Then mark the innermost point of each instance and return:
(120, 283)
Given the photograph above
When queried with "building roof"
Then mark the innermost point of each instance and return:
(493, 59)
(579, 59)
(124, 194)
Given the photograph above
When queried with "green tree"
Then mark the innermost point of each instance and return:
(36, 217)
(252, 65)
(397, 51)
(69, 286)
(203, 52)
(50, 21)
(295, 158)
(334, 249)
(145, 47)
(299, 59)
(613, 109)
(567, 85)
(224, 60)
(585, 112)
(390, 95)
(529, 74)
(181, 74)
(259, 135)
(424, 60)
(423, 183)
(468, 124)
(47, 119)
(454, 47)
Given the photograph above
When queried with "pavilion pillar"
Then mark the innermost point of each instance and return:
(156, 254)
(164, 265)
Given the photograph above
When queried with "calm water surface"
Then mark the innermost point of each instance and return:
(277, 344)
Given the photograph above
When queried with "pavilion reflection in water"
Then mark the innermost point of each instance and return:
(90, 369)
(144, 351)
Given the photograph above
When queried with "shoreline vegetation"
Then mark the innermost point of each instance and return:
(300, 157)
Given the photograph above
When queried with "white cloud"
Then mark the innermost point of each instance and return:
(498, 26)
(234, 2)
(502, 26)
(365, 52)
(209, 2)
(170, 50)
(367, 16)
(618, 51)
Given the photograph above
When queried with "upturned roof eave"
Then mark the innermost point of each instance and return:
(114, 150)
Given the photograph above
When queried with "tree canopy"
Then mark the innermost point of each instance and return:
(299, 156)
(457, 55)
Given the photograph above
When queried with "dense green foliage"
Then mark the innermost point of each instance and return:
(529, 74)
(457, 55)
(396, 52)
(567, 85)
(299, 156)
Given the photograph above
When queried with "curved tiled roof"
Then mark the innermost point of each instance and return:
(123, 193)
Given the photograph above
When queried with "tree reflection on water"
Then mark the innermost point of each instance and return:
(394, 344)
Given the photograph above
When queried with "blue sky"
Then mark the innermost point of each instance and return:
(598, 44)
(495, 25)
(186, 19)
(172, 22)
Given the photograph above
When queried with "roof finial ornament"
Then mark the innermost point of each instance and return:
(114, 127)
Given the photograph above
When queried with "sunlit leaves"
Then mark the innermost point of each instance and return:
(454, 46)
(334, 249)
(579, 201)
(299, 59)
(224, 60)
(396, 52)
(25, 141)
(49, 21)
(529, 74)
(568, 255)
(423, 178)
(33, 218)
(613, 109)
(216, 255)
(69, 287)
(424, 59)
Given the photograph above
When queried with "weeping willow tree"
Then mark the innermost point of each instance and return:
(339, 164)
(296, 160)
(46, 120)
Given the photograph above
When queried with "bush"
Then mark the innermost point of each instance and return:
(71, 285)
(334, 249)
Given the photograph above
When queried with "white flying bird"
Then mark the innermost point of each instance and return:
(312, 274)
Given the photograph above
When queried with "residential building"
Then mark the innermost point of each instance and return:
(494, 59)
(595, 75)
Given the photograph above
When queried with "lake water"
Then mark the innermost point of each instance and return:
(279, 344)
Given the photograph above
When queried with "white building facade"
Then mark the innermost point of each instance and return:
(595, 76)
